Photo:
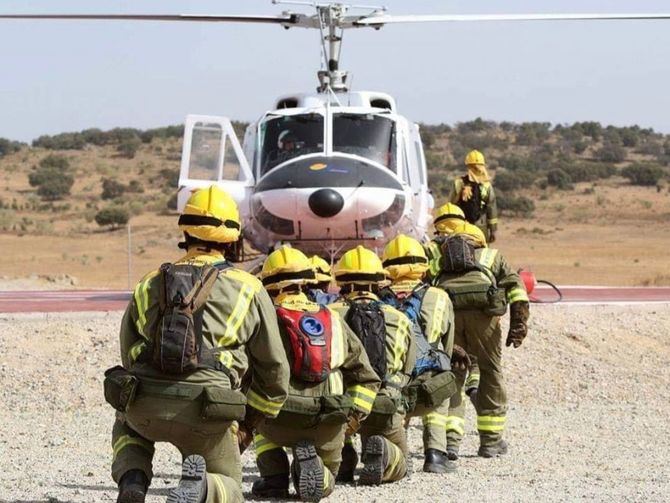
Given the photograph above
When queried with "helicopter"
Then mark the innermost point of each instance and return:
(325, 170)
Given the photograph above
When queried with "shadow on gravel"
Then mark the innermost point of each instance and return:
(154, 491)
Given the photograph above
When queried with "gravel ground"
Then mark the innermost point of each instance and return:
(588, 418)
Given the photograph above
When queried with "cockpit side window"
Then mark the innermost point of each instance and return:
(286, 137)
(367, 135)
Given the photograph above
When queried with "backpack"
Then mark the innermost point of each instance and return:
(472, 208)
(428, 357)
(176, 346)
(367, 321)
(458, 255)
(310, 336)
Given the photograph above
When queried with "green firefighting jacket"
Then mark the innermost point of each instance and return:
(437, 314)
(400, 346)
(238, 318)
(489, 218)
(350, 369)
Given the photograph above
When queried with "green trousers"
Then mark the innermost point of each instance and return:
(178, 422)
(480, 335)
(434, 425)
(395, 438)
(272, 459)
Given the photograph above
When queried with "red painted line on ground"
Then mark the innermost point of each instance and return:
(116, 300)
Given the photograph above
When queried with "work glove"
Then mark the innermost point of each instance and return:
(459, 359)
(245, 432)
(518, 323)
(354, 422)
(492, 234)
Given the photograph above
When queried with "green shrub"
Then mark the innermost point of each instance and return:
(63, 141)
(112, 216)
(513, 180)
(128, 148)
(587, 172)
(559, 179)
(520, 206)
(643, 174)
(611, 152)
(56, 161)
(135, 187)
(52, 183)
(9, 146)
(111, 189)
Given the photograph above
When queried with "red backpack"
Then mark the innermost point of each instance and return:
(310, 336)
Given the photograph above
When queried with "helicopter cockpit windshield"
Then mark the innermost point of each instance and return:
(286, 137)
(366, 135)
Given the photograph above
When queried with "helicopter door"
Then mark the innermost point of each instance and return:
(212, 154)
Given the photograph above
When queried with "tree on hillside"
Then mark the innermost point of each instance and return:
(111, 189)
(643, 174)
(112, 216)
(611, 152)
(52, 178)
(128, 148)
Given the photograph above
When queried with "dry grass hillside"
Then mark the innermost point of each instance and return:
(581, 203)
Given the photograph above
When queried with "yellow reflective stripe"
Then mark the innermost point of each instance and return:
(401, 343)
(237, 315)
(335, 383)
(326, 478)
(363, 398)
(488, 256)
(517, 294)
(141, 297)
(135, 350)
(262, 444)
(437, 319)
(267, 407)
(125, 440)
(226, 357)
(220, 488)
(491, 423)
(472, 379)
(493, 221)
(435, 419)
(456, 424)
(395, 454)
(337, 342)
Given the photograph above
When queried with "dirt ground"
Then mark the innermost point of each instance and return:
(589, 393)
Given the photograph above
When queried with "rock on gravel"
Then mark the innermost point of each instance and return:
(589, 414)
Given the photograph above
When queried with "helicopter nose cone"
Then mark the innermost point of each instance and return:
(326, 203)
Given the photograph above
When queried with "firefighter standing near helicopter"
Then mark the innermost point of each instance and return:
(481, 284)
(432, 315)
(386, 335)
(474, 194)
(331, 389)
(192, 333)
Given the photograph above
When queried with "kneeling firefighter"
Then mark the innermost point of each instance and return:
(432, 316)
(386, 335)
(331, 386)
(481, 284)
(193, 332)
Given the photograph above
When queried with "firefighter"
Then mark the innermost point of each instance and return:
(474, 193)
(332, 386)
(387, 338)
(481, 284)
(192, 333)
(430, 309)
(319, 292)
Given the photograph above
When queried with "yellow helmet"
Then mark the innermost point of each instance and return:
(360, 266)
(473, 232)
(447, 218)
(404, 257)
(322, 269)
(287, 266)
(475, 157)
(211, 215)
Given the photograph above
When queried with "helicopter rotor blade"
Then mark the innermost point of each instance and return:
(288, 19)
(379, 20)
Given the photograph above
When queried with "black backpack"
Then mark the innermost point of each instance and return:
(366, 319)
(458, 255)
(472, 208)
(176, 346)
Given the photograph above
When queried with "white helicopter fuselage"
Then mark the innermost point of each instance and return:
(324, 172)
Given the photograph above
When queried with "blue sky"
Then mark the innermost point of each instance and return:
(62, 76)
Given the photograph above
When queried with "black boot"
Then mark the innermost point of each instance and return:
(133, 487)
(192, 486)
(437, 462)
(375, 459)
(452, 452)
(275, 486)
(492, 451)
(307, 472)
(348, 465)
